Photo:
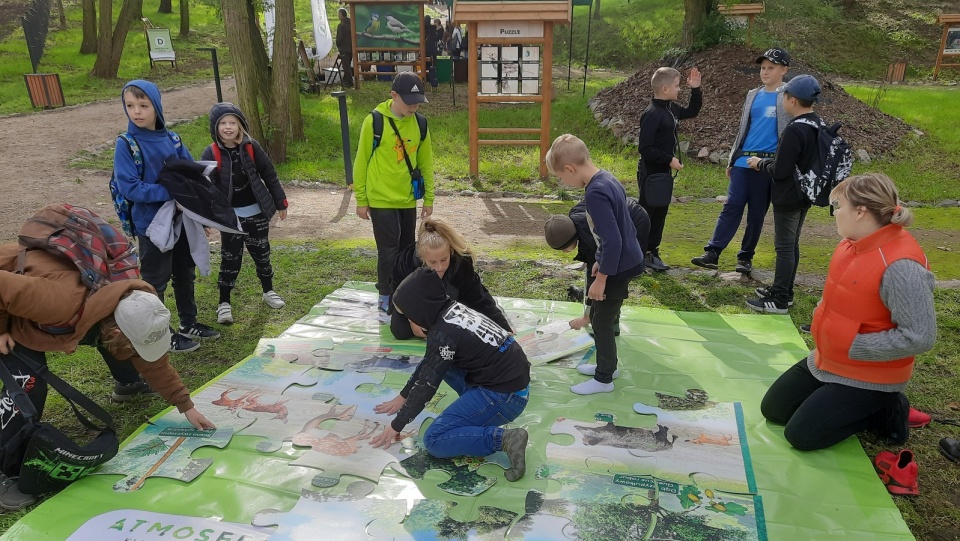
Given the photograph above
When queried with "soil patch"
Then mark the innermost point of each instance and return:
(729, 72)
(10, 13)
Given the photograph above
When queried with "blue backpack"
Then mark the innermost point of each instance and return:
(121, 205)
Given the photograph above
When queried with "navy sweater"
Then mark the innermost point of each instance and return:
(617, 247)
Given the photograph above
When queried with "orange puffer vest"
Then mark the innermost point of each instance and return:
(852, 305)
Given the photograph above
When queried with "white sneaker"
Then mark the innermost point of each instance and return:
(592, 386)
(591, 370)
(224, 313)
(273, 300)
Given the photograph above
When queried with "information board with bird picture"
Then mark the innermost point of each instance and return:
(388, 25)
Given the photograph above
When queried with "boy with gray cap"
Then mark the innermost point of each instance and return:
(392, 170)
(797, 150)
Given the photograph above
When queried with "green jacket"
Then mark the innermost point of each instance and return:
(380, 177)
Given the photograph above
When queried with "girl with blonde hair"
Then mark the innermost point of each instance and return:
(875, 316)
(442, 248)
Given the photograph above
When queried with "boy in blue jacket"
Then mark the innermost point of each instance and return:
(619, 256)
(141, 103)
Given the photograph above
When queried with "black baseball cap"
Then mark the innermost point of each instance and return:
(775, 55)
(410, 88)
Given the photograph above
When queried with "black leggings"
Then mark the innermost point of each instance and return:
(818, 415)
(257, 241)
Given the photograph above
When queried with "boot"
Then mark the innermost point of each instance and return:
(514, 443)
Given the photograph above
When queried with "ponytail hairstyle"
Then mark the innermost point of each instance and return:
(877, 193)
(435, 233)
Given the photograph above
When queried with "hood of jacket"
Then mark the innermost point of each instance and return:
(225, 108)
(421, 297)
(153, 93)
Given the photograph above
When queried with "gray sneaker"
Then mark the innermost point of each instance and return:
(11, 498)
(708, 260)
(514, 443)
(654, 263)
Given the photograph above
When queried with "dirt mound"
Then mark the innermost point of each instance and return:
(728, 73)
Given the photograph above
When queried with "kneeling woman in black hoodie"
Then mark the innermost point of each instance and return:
(442, 248)
(479, 359)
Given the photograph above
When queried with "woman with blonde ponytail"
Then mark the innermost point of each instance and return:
(442, 248)
(876, 314)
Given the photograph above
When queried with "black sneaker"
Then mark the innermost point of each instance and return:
(124, 392)
(744, 266)
(765, 292)
(805, 328)
(199, 330)
(708, 260)
(768, 305)
(181, 344)
(653, 262)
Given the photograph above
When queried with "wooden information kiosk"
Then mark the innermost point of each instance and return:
(510, 59)
(387, 34)
(949, 43)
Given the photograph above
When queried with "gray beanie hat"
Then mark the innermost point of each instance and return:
(559, 231)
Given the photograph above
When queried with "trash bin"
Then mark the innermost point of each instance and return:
(444, 67)
(460, 70)
(385, 68)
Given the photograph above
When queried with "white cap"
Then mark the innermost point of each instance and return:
(145, 321)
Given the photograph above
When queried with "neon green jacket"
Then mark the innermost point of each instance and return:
(380, 177)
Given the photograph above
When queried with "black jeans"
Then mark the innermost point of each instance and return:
(257, 241)
(393, 230)
(605, 318)
(157, 268)
(818, 415)
(786, 242)
(11, 420)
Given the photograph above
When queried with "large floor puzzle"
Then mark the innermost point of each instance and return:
(678, 451)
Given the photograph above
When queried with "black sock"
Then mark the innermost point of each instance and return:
(267, 284)
(225, 294)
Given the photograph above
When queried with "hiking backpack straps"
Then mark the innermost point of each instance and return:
(100, 251)
(378, 127)
(123, 206)
(219, 157)
(833, 161)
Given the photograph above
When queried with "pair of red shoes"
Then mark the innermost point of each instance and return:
(899, 471)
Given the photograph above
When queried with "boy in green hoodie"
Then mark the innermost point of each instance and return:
(388, 166)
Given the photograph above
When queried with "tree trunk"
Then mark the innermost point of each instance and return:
(694, 14)
(184, 18)
(110, 41)
(63, 16)
(89, 43)
(237, 23)
(166, 6)
(259, 56)
(279, 109)
(596, 13)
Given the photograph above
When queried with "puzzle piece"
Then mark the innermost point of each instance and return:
(545, 520)
(464, 479)
(552, 341)
(292, 350)
(280, 417)
(338, 520)
(163, 449)
(374, 361)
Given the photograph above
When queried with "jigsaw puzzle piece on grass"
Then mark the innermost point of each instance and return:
(345, 450)
(552, 341)
(163, 449)
(293, 350)
(337, 520)
(464, 479)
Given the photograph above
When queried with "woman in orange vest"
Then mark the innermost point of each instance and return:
(876, 314)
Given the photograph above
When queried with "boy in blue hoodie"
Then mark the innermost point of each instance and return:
(141, 103)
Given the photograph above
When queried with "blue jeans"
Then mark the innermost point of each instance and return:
(471, 425)
(157, 268)
(748, 188)
(786, 242)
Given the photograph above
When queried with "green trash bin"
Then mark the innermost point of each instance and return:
(444, 67)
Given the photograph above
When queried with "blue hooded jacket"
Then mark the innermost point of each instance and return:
(156, 146)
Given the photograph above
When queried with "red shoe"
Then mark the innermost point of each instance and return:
(918, 419)
(898, 472)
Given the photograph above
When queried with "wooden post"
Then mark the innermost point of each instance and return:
(946, 20)
(546, 92)
(473, 71)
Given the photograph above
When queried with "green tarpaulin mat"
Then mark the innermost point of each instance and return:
(830, 494)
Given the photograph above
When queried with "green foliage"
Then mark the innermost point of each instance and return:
(715, 30)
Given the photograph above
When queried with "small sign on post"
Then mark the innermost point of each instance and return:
(160, 46)
(949, 43)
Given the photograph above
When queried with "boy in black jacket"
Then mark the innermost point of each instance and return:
(480, 360)
(797, 149)
(658, 146)
(572, 232)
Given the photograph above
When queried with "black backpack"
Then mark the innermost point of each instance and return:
(832, 163)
